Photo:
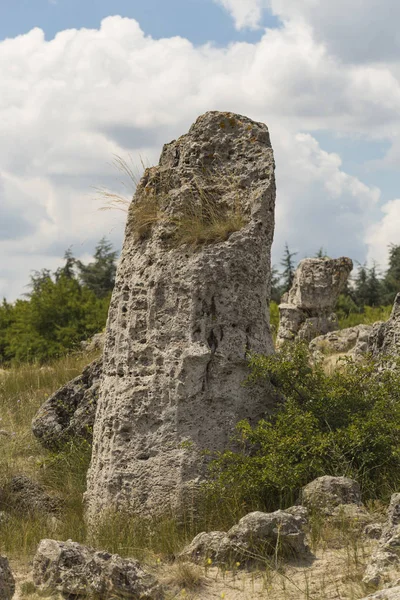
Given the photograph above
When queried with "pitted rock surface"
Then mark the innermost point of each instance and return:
(69, 413)
(181, 321)
(78, 571)
(306, 310)
(385, 561)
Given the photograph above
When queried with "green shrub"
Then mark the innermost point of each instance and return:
(343, 423)
(370, 315)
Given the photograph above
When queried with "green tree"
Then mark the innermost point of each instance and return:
(322, 253)
(361, 286)
(374, 287)
(68, 270)
(288, 265)
(391, 282)
(99, 275)
(276, 286)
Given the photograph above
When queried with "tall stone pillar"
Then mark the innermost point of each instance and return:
(190, 300)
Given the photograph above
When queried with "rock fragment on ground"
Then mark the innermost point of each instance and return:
(327, 493)
(24, 494)
(385, 560)
(306, 311)
(69, 413)
(256, 536)
(7, 583)
(184, 315)
(77, 571)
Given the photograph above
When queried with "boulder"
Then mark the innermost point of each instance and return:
(190, 301)
(7, 583)
(23, 494)
(385, 560)
(352, 342)
(256, 536)
(306, 311)
(78, 571)
(328, 493)
(69, 413)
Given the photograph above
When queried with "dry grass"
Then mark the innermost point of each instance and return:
(185, 575)
(202, 219)
(22, 391)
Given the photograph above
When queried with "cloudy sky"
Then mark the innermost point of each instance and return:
(81, 82)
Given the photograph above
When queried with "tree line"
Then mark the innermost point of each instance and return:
(69, 305)
(61, 309)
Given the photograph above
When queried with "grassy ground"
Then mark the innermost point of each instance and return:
(335, 572)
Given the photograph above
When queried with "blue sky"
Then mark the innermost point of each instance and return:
(117, 81)
(201, 21)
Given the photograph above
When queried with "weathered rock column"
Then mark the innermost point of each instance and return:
(182, 318)
(306, 311)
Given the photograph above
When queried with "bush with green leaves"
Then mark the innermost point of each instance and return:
(345, 423)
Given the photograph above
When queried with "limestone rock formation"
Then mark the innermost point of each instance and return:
(7, 583)
(77, 571)
(306, 310)
(385, 560)
(352, 342)
(327, 493)
(384, 339)
(69, 413)
(255, 536)
(190, 300)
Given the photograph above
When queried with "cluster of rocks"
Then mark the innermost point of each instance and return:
(306, 311)
(381, 339)
(182, 321)
(77, 571)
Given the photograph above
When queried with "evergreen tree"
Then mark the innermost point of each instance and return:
(288, 265)
(374, 287)
(99, 275)
(361, 286)
(322, 253)
(68, 269)
(276, 287)
(391, 282)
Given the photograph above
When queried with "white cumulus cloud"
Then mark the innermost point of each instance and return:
(69, 104)
(245, 13)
